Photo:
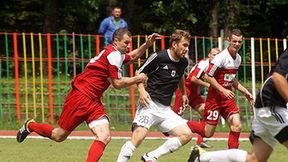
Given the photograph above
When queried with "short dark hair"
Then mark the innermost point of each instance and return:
(120, 32)
(178, 34)
(236, 32)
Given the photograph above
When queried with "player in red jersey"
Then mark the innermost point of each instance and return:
(83, 102)
(220, 100)
(192, 83)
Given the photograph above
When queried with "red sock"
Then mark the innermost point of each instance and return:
(200, 138)
(197, 127)
(95, 151)
(233, 140)
(44, 130)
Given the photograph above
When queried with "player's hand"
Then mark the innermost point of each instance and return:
(229, 94)
(143, 78)
(144, 98)
(249, 97)
(151, 39)
(185, 102)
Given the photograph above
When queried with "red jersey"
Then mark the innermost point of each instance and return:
(198, 70)
(223, 68)
(97, 75)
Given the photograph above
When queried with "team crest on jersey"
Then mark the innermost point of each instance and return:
(173, 73)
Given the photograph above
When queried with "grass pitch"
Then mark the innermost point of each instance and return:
(71, 150)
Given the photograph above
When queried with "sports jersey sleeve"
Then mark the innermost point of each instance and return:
(114, 67)
(200, 68)
(282, 66)
(126, 59)
(150, 65)
(215, 64)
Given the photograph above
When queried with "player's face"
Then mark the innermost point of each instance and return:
(213, 53)
(181, 48)
(235, 43)
(122, 45)
(116, 13)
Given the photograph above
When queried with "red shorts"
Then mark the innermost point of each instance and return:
(78, 108)
(194, 100)
(213, 110)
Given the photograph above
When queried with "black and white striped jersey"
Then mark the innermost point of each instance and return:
(164, 74)
(268, 95)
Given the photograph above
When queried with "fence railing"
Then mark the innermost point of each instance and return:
(36, 69)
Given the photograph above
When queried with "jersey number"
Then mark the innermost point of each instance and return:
(213, 115)
(144, 119)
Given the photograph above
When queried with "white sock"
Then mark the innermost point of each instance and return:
(126, 152)
(169, 146)
(231, 155)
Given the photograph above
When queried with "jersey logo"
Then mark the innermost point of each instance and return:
(173, 73)
(165, 67)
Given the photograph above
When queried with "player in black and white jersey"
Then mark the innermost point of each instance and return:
(270, 124)
(165, 71)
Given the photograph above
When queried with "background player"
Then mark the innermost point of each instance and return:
(220, 100)
(192, 83)
(270, 124)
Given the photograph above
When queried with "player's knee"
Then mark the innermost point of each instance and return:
(186, 137)
(59, 138)
(236, 127)
(251, 157)
(105, 138)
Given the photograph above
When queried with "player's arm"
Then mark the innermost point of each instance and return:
(149, 66)
(182, 88)
(135, 54)
(144, 96)
(281, 84)
(243, 90)
(127, 81)
(199, 82)
(213, 83)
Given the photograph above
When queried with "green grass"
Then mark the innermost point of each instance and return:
(43, 150)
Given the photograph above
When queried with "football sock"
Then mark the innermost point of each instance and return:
(200, 138)
(230, 155)
(126, 152)
(95, 151)
(44, 130)
(233, 140)
(197, 127)
(169, 146)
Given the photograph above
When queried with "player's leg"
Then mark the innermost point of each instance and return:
(101, 130)
(143, 120)
(200, 109)
(68, 120)
(235, 129)
(177, 127)
(261, 150)
(231, 155)
(138, 135)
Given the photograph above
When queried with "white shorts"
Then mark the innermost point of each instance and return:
(268, 122)
(159, 115)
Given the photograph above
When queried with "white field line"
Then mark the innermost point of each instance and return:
(150, 138)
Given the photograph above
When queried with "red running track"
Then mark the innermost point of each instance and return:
(122, 134)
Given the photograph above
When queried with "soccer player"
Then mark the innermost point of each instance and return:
(192, 83)
(270, 124)
(220, 101)
(165, 71)
(83, 102)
